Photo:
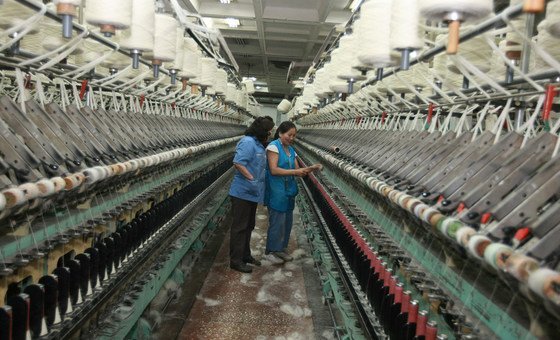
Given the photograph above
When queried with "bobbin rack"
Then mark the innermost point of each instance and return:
(446, 214)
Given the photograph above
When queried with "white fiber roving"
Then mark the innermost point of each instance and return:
(109, 12)
(405, 16)
(373, 29)
(476, 51)
(165, 37)
(140, 36)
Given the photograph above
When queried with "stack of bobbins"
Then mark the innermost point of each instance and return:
(67, 10)
(109, 15)
(553, 18)
(454, 12)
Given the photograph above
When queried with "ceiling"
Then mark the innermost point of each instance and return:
(272, 34)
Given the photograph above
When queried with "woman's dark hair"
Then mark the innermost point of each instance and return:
(260, 128)
(283, 128)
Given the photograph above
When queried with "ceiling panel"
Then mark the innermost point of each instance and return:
(272, 34)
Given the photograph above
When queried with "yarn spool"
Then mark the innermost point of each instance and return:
(544, 281)
(13, 197)
(231, 93)
(109, 15)
(140, 37)
(284, 106)
(191, 64)
(221, 82)
(67, 10)
(2, 202)
(165, 40)
(346, 59)
(249, 86)
(553, 18)
(177, 65)
(209, 66)
(373, 29)
(405, 17)
(454, 12)
(548, 43)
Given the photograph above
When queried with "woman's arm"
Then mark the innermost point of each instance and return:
(276, 171)
(243, 170)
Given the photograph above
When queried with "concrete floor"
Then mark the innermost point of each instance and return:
(274, 302)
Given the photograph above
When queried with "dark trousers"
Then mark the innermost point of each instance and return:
(243, 223)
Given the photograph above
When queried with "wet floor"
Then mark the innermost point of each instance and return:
(274, 302)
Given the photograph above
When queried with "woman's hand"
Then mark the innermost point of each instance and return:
(301, 172)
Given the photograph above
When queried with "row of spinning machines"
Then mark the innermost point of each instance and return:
(465, 226)
(85, 196)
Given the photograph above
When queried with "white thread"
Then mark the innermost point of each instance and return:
(209, 66)
(165, 37)
(177, 63)
(140, 36)
(109, 12)
(249, 85)
(221, 82)
(404, 24)
(373, 29)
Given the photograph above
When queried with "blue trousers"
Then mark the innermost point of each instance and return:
(279, 229)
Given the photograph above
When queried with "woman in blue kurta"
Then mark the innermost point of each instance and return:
(281, 189)
(247, 190)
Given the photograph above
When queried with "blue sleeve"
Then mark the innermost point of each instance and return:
(243, 152)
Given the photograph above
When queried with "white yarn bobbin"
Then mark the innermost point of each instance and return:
(67, 10)
(476, 51)
(2, 202)
(191, 64)
(521, 266)
(58, 183)
(454, 12)
(221, 82)
(249, 86)
(109, 15)
(30, 190)
(231, 93)
(374, 30)
(165, 40)
(496, 254)
(405, 18)
(176, 67)
(477, 245)
(13, 197)
(46, 187)
(544, 281)
(463, 235)
(284, 106)
(209, 66)
(140, 37)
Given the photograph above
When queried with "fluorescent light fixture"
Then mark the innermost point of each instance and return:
(250, 78)
(225, 1)
(232, 22)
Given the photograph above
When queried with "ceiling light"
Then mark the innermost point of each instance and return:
(225, 1)
(232, 22)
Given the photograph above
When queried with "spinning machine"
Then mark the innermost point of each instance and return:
(437, 208)
(113, 176)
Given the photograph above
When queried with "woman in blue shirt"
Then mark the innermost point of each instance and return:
(281, 189)
(247, 190)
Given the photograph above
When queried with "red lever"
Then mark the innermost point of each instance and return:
(430, 114)
(383, 116)
(549, 99)
(83, 89)
(142, 98)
